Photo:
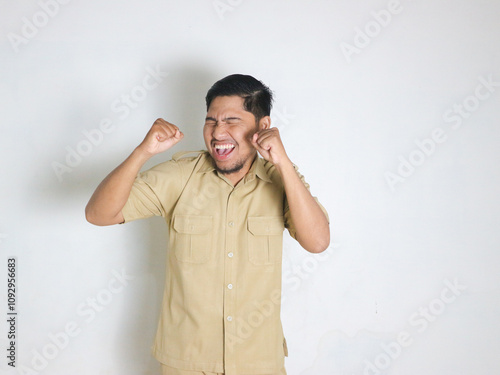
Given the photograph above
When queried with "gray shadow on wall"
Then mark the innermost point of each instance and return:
(182, 102)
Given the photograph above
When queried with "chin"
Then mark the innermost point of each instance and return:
(228, 169)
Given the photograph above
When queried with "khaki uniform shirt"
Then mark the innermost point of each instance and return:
(222, 297)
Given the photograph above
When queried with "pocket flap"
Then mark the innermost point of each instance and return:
(262, 225)
(192, 224)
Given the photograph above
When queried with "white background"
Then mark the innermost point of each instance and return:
(352, 110)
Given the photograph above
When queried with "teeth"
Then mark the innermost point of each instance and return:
(224, 146)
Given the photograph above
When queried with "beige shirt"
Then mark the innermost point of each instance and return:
(222, 298)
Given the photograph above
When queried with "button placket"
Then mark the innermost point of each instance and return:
(229, 264)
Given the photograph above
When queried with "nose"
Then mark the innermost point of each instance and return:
(219, 130)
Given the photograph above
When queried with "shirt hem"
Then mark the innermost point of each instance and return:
(185, 365)
(211, 366)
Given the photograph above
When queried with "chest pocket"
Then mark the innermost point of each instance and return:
(265, 239)
(193, 242)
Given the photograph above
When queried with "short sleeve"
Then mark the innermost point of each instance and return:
(286, 209)
(154, 192)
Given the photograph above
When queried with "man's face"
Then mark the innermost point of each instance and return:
(228, 132)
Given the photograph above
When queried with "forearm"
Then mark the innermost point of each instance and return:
(311, 224)
(108, 200)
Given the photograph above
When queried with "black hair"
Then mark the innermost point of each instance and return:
(258, 98)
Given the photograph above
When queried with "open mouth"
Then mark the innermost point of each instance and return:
(223, 150)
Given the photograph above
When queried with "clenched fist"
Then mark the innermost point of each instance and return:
(162, 136)
(268, 143)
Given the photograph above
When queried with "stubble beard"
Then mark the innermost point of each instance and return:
(238, 166)
(235, 168)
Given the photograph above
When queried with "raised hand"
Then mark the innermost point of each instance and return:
(162, 136)
(268, 144)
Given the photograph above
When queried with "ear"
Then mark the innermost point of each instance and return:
(265, 123)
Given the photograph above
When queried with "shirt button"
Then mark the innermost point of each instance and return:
(230, 286)
(230, 255)
(231, 224)
(229, 318)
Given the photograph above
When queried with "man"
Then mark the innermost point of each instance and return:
(226, 209)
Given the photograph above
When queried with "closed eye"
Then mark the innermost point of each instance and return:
(232, 120)
(210, 121)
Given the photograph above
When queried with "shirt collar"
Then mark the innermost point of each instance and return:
(256, 169)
